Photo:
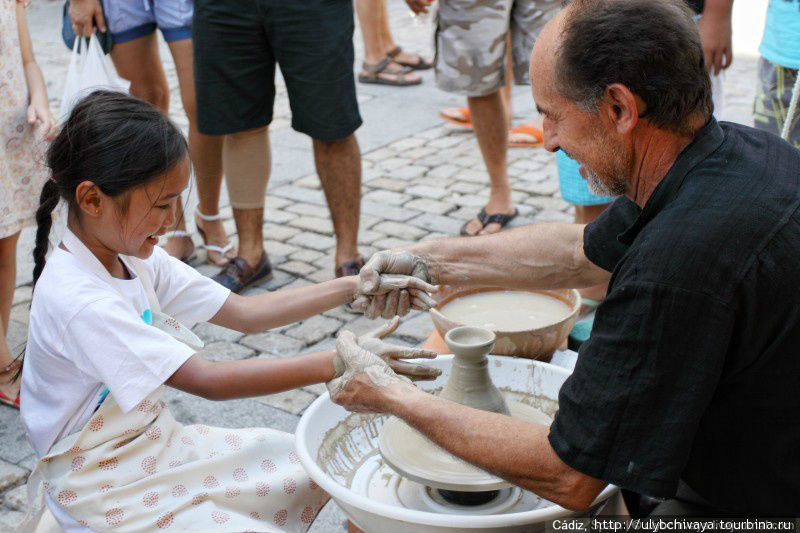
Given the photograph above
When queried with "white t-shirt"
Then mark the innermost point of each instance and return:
(85, 335)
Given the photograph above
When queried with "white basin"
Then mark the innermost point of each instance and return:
(340, 452)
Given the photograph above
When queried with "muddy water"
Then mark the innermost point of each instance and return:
(506, 310)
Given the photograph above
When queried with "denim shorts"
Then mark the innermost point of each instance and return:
(130, 19)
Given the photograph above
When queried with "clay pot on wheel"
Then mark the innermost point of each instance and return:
(539, 343)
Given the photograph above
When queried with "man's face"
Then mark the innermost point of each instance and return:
(583, 135)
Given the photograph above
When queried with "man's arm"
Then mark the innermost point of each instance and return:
(539, 256)
(513, 449)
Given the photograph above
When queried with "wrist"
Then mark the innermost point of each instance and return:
(402, 399)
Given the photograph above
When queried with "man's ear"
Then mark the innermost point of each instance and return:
(622, 107)
(89, 198)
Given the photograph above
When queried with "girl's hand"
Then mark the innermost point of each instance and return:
(41, 111)
(393, 354)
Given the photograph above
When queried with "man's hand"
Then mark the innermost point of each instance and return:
(715, 34)
(393, 355)
(363, 379)
(392, 283)
(84, 14)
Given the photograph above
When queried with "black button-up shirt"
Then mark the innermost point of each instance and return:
(692, 370)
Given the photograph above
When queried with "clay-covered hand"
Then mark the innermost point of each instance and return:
(392, 283)
(393, 355)
(361, 376)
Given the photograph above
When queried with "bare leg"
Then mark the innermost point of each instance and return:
(387, 41)
(8, 278)
(139, 62)
(339, 167)
(369, 14)
(246, 159)
(491, 131)
(583, 215)
(206, 153)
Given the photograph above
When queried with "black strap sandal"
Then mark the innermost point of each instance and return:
(375, 73)
(486, 219)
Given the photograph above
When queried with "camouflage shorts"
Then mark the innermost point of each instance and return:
(471, 42)
(773, 95)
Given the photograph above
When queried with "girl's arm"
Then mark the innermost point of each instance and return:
(39, 106)
(250, 314)
(226, 380)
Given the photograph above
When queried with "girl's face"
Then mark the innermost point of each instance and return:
(150, 212)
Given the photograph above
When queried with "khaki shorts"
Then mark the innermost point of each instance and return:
(773, 96)
(471, 42)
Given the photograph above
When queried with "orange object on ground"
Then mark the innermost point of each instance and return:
(465, 121)
(527, 129)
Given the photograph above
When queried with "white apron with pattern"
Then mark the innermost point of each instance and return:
(144, 471)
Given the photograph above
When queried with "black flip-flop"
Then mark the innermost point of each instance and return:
(486, 219)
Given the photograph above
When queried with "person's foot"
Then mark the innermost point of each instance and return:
(219, 249)
(414, 61)
(9, 387)
(477, 227)
(387, 72)
(180, 245)
(239, 274)
(351, 267)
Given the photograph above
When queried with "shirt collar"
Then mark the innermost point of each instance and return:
(705, 142)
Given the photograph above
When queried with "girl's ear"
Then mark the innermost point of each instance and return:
(89, 198)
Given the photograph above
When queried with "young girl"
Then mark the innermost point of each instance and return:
(23, 103)
(108, 329)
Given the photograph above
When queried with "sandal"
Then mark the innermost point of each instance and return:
(373, 73)
(181, 235)
(421, 63)
(526, 131)
(486, 219)
(13, 366)
(226, 252)
(464, 119)
(238, 274)
(350, 268)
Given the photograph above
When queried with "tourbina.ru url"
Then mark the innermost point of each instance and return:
(671, 524)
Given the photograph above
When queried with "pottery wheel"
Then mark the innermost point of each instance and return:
(416, 457)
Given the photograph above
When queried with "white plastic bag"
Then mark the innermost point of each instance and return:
(89, 70)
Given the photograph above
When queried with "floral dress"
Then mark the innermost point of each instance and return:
(22, 172)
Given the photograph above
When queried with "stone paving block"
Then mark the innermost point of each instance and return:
(433, 236)
(473, 176)
(470, 200)
(433, 161)
(273, 202)
(386, 197)
(555, 203)
(522, 220)
(402, 231)
(306, 255)
(367, 221)
(16, 336)
(437, 223)
(388, 212)
(362, 324)
(273, 344)
(279, 279)
(342, 314)
(316, 389)
(278, 216)
(426, 205)
(392, 242)
(463, 213)
(433, 133)
(229, 226)
(226, 351)
(21, 312)
(300, 194)
(17, 499)
(279, 232)
(368, 175)
(22, 294)
(465, 187)
(313, 240)
(309, 182)
(393, 163)
(390, 184)
(314, 329)
(444, 142)
(418, 153)
(317, 225)
(548, 215)
(417, 327)
(298, 268)
(319, 211)
(327, 260)
(542, 188)
(426, 191)
(409, 172)
(11, 474)
(211, 333)
(277, 248)
(369, 236)
(328, 343)
(294, 401)
(378, 155)
(10, 520)
(529, 163)
(207, 270)
(406, 144)
(318, 276)
(190, 409)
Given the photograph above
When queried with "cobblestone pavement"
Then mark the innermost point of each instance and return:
(421, 180)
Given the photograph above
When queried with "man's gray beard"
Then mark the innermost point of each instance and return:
(599, 188)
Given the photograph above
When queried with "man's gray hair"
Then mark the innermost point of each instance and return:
(651, 46)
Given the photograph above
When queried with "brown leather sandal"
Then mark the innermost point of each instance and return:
(421, 64)
(376, 73)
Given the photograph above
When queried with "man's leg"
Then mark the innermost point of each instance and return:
(339, 167)
(491, 131)
(140, 62)
(206, 153)
(370, 14)
(8, 277)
